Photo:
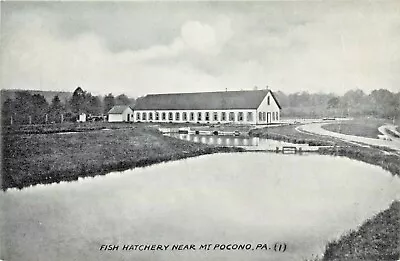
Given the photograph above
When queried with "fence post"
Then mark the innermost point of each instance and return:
(30, 119)
(62, 118)
(46, 119)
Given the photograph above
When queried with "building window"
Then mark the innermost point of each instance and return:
(231, 116)
(264, 116)
(249, 116)
(207, 116)
(277, 116)
(240, 116)
(170, 116)
(177, 116)
(184, 116)
(163, 116)
(268, 100)
(273, 116)
(215, 116)
(223, 116)
(192, 116)
(260, 117)
(144, 116)
(150, 116)
(199, 116)
(138, 116)
(157, 116)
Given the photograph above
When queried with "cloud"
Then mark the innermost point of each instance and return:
(36, 59)
(318, 48)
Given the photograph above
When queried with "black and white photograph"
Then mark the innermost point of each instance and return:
(200, 130)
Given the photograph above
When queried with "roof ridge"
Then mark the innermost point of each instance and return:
(173, 93)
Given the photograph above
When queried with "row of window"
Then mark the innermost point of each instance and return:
(262, 116)
(208, 116)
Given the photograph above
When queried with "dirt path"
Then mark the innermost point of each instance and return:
(388, 131)
(316, 128)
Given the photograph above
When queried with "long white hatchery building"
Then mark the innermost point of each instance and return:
(238, 107)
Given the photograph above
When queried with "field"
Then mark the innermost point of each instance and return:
(30, 159)
(358, 127)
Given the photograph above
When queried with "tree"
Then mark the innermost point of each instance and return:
(109, 102)
(333, 102)
(94, 105)
(122, 99)
(23, 103)
(7, 111)
(56, 104)
(41, 108)
(56, 109)
(78, 100)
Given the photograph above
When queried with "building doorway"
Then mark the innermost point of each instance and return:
(268, 117)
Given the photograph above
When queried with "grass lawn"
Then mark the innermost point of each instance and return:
(63, 127)
(289, 133)
(358, 127)
(376, 239)
(30, 159)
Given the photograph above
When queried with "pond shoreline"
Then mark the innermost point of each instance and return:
(148, 147)
(384, 227)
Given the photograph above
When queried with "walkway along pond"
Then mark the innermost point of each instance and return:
(221, 198)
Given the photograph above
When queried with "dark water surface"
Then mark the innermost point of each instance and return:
(253, 198)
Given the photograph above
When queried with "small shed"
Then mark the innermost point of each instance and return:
(82, 117)
(120, 113)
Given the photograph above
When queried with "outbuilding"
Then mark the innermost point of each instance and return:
(120, 113)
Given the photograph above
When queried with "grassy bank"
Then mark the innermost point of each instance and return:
(289, 134)
(392, 133)
(39, 159)
(64, 127)
(358, 127)
(377, 238)
(375, 156)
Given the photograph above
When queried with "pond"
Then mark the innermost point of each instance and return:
(241, 198)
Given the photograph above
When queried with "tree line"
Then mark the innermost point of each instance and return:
(27, 108)
(354, 103)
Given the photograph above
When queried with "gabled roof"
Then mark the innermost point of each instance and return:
(118, 109)
(203, 100)
(276, 100)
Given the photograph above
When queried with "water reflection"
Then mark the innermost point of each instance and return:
(220, 140)
(247, 142)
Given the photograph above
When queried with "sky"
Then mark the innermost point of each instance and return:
(138, 48)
